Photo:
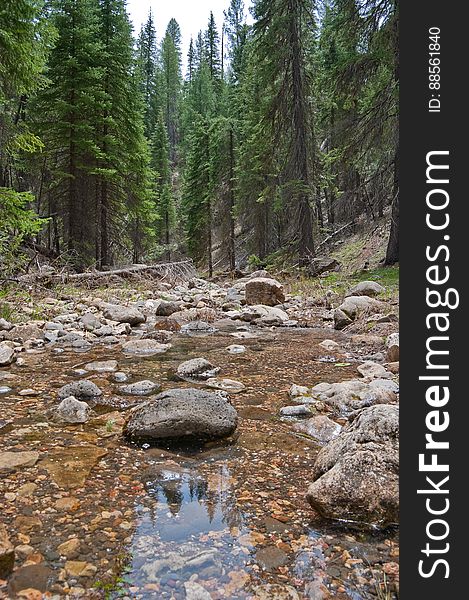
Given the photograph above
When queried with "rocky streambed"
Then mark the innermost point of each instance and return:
(292, 497)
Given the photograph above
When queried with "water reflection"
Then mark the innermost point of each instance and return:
(189, 531)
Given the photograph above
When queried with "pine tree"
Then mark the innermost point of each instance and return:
(147, 60)
(124, 154)
(212, 49)
(171, 63)
(196, 198)
(283, 39)
(161, 166)
(26, 37)
(69, 113)
(190, 62)
(237, 32)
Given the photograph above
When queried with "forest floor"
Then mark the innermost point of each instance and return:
(87, 514)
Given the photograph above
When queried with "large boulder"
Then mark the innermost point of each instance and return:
(366, 288)
(263, 290)
(356, 476)
(180, 415)
(124, 314)
(353, 306)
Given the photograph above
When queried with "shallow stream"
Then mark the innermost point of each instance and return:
(218, 522)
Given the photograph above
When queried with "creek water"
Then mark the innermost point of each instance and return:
(222, 521)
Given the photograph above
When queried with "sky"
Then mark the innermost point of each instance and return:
(192, 15)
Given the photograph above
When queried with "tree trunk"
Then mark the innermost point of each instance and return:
(232, 249)
(392, 252)
(300, 144)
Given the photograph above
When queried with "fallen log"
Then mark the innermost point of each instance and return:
(171, 272)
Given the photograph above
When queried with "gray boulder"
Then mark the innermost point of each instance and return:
(372, 370)
(82, 390)
(124, 314)
(197, 369)
(90, 321)
(356, 476)
(183, 414)
(166, 308)
(347, 397)
(198, 327)
(5, 325)
(301, 410)
(263, 290)
(146, 347)
(353, 306)
(102, 366)
(366, 288)
(71, 410)
(140, 388)
(322, 264)
(321, 428)
(7, 355)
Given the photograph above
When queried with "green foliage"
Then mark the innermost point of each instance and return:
(18, 222)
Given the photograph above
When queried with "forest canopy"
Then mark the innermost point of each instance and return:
(272, 134)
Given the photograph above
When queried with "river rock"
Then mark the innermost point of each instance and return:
(5, 325)
(145, 347)
(274, 591)
(81, 390)
(330, 346)
(197, 369)
(166, 308)
(392, 346)
(179, 414)
(298, 390)
(71, 410)
(263, 315)
(90, 321)
(236, 349)
(356, 476)
(7, 553)
(385, 385)
(102, 366)
(124, 314)
(7, 355)
(10, 461)
(372, 370)
(271, 558)
(301, 410)
(226, 385)
(140, 388)
(195, 327)
(366, 288)
(321, 428)
(194, 591)
(348, 396)
(353, 306)
(265, 291)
